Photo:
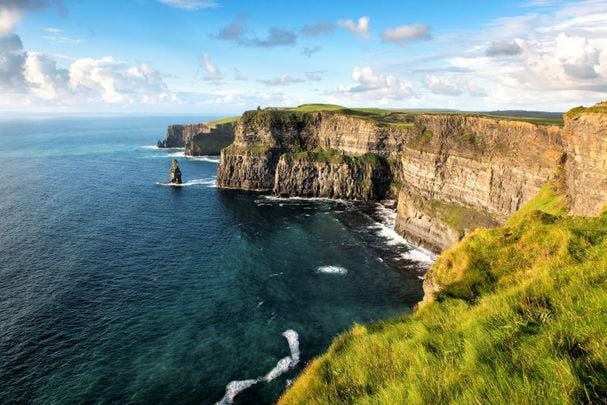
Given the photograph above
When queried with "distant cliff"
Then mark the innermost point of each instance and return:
(451, 173)
(199, 139)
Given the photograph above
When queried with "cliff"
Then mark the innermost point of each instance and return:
(199, 139)
(586, 166)
(477, 169)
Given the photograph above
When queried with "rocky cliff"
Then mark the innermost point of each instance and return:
(199, 139)
(585, 135)
(451, 173)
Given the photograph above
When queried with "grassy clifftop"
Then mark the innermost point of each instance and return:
(521, 318)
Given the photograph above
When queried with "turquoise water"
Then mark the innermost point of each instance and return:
(116, 289)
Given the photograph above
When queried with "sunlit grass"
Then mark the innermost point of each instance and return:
(522, 318)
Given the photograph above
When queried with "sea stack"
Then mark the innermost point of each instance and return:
(175, 173)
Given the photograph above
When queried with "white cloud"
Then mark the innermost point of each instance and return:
(373, 86)
(12, 60)
(360, 28)
(114, 81)
(452, 85)
(406, 33)
(191, 4)
(9, 17)
(213, 72)
(45, 80)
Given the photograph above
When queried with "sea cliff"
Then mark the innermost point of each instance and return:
(199, 139)
(451, 173)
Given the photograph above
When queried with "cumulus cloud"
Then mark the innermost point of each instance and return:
(282, 80)
(12, 61)
(502, 48)
(45, 80)
(404, 34)
(360, 28)
(212, 71)
(376, 86)
(190, 4)
(115, 81)
(308, 51)
(321, 27)
(12, 11)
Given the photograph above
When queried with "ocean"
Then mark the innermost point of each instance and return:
(114, 288)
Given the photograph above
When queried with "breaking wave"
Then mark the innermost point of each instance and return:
(209, 182)
(385, 229)
(210, 159)
(285, 364)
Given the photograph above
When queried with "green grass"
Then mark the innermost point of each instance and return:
(226, 120)
(457, 216)
(521, 318)
(575, 112)
(335, 156)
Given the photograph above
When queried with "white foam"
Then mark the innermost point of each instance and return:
(149, 147)
(234, 388)
(293, 340)
(304, 199)
(419, 255)
(210, 159)
(385, 229)
(283, 365)
(209, 182)
(332, 270)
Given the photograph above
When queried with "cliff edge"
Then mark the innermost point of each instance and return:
(451, 173)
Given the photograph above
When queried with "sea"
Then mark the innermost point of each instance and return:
(115, 288)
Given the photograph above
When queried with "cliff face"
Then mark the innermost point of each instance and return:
(199, 139)
(179, 135)
(478, 169)
(586, 168)
(331, 177)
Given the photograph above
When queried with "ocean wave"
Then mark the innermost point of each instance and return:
(332, 270)
(385, 229)
(210, 159)
(419, 255)
(304, 199)
(209, 182)
(282, 366)
(234, 388)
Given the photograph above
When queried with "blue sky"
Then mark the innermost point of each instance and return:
(222, 56)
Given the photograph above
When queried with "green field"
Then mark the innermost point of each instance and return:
(521, 318)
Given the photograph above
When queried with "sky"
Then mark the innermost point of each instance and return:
(226, 56)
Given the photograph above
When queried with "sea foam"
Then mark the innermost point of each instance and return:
(282, 366)
(210, 159)
(332, 270)
(209, 182)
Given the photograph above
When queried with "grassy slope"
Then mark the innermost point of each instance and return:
(522, 319)
(395, 117)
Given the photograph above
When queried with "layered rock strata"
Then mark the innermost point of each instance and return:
(479, 169)
(199, 139)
